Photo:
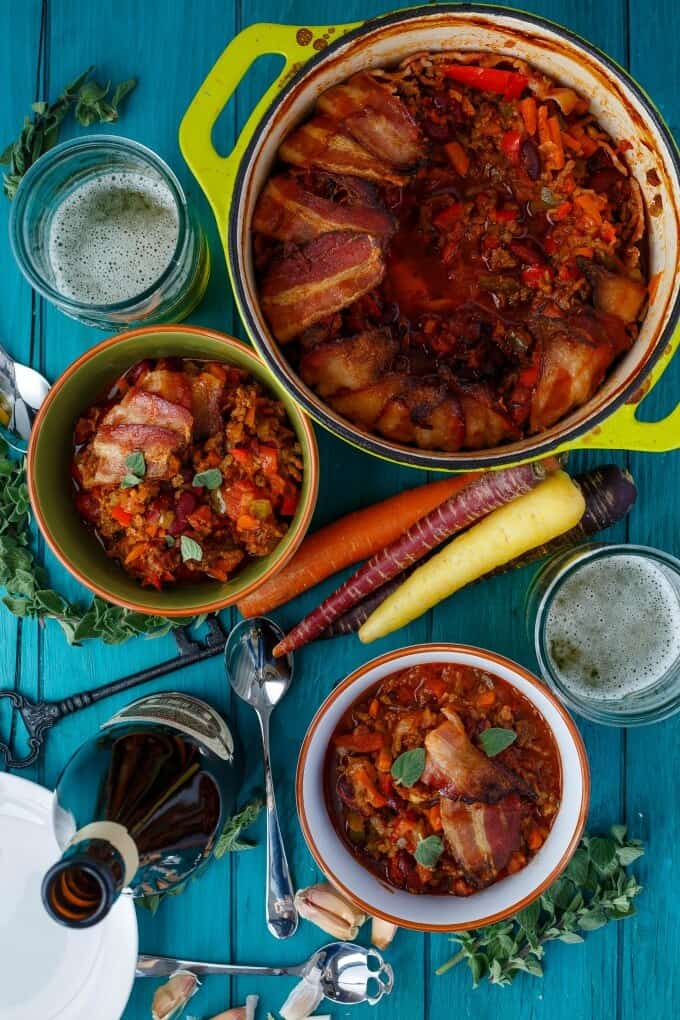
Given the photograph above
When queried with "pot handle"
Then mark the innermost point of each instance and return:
(216, 174)
(623, 430)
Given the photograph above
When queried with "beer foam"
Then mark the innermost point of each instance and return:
(113, 237)
(613, 629)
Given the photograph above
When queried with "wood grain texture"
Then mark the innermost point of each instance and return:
(619, 973)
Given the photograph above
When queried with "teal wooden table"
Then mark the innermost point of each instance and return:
(626, 971)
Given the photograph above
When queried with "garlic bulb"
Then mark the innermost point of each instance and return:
(382, 932)
(329, 910)
(171, 998)
(304, 998)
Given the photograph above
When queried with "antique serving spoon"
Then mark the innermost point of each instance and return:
(349, 973)
(22, 391)
(261, 681)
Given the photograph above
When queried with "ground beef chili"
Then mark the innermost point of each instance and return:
(479, 818)
(453, 251)
(186, 471)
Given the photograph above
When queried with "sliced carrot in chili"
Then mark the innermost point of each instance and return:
(457, 157)
(435, 685)
(486, 699)
(543, 129)
(556, 138)
(247, 523)
(535, 839)
(434, 817)
(241, 456)
(384, 760)
(359, 741)
(374, 795)
(374, 708)
(527, 107)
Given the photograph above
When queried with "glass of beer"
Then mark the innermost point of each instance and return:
(605, 622)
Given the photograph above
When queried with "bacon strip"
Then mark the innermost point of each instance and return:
(320, 143)
(482, 837)
(289, 212)
(459, 770)
(326, 275)
(206, 402)
(105, 462)
(375, 117)
(172, 386)
(141, 408)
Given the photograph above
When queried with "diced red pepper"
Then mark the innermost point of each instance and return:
(526, 253)
(290, 500)
(561, 212)
(241, 456)
(122, 516)
(505, 215)
(509, 84)
(510, 143)
(550, 244)
(269, 457)
(534, 276)
(448, 216)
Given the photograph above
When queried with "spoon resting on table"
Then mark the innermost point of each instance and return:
(349, 973)
(22, 391)
(261, 680)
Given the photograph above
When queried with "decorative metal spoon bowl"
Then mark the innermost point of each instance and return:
(350, 974)
(22, 391)
(261, 680)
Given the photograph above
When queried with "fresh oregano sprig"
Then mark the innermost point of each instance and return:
(40, 131)
(26, 582)
(594, 890)
(229, 841)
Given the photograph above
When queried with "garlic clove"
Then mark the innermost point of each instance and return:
(304, 998)
(170, 999)
(246, 1012)
(382, 932)
(329, 910)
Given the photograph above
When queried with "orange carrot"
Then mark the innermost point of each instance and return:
(374, 709)
(486, 699)
(556, 138)
(384, 760)
(572, 143)
(458, 157)
(485, 493)
(362, 742)
(543, 129)
(527, 107)
(349, 539)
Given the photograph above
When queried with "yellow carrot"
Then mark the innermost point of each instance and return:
(553, 507)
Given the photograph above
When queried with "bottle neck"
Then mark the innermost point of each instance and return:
(80, 889)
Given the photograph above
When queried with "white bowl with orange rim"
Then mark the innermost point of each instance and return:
(428, 912)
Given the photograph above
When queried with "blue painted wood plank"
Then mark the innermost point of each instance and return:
(653, 753)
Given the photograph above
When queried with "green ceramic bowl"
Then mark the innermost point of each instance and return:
(49, 470)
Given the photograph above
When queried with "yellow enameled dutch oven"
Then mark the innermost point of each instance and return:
(317, 58)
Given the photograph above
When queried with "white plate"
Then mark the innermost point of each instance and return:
(47, 971)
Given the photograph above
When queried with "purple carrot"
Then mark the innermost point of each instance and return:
(483, 495)
(609, 493)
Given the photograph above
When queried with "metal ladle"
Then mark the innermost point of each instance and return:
(261, 680)
(22, 391)
(346, 976)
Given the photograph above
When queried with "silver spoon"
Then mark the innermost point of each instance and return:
(22, 391)
(262, 680)
(346, 976)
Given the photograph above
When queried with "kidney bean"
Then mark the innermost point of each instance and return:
(531, 160)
